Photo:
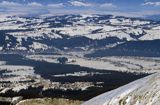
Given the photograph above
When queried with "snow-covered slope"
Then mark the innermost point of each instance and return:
(145, 91)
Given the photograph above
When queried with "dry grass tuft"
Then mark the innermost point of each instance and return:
(49, 101)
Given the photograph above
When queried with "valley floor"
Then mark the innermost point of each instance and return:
(115, 63)
(37, 76)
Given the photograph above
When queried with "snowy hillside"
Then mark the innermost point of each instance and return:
(145, 91)
(73, 32)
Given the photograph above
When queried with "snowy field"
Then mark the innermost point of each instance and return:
(125, 64)
(19, 77)
(16, 78)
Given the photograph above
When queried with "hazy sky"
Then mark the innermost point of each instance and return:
(116, 7)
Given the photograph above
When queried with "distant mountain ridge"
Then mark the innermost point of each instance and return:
(75, 33)
(153, 17)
